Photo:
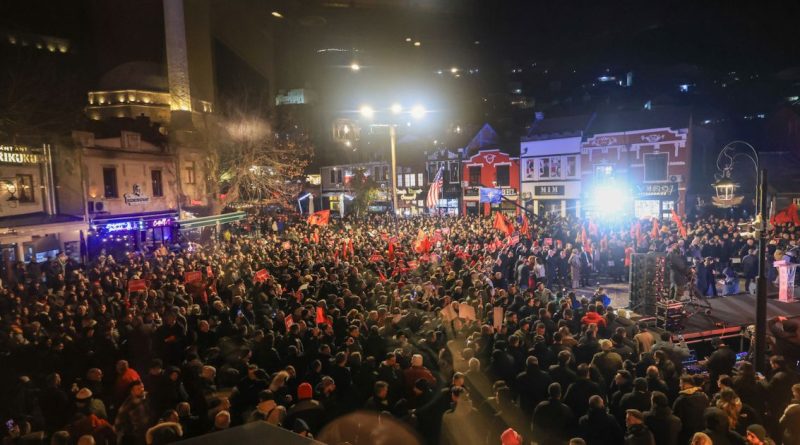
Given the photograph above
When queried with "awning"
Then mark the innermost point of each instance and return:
(207, 221)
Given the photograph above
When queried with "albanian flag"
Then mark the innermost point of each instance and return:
(502, 224)
(320, 218)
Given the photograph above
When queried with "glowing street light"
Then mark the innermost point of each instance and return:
(408, 39)
(454, 70)
(277, 14)
(396, 108)
(418, 112)
(417, 43)
(355, 67)
(367, 111)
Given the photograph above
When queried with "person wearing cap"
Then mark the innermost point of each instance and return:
(167, 430)
(306, 409)
(85, 401)
(607, 361)
(757, 435)
(133, 417)
(637, 432)
(86, 421)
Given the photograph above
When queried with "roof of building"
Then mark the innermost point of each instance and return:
(559, 127)
(639, 120)
(35, 219)
(137, 75)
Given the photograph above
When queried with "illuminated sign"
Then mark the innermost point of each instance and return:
(122, 226)
(161, 222)
(657, 190)
(13, 154)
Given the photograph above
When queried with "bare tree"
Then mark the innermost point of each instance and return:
(253, 157)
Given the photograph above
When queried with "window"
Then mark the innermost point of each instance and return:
(190, 179)
(454, 170)
(385, 176)
(544, 168)
(339, 176)
(502, 175)
(333, 176)
(411, 180)
(110, 182)
(603, 171)
(25, 188)
(475, 175)
(399, 180)
(419, 179)
(572, 166)
(655, 167)
(155, 180)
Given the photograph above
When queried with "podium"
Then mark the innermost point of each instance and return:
(786, 272)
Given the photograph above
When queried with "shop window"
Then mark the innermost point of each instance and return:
(655, 167)
(110, 182)
(502, 175)
(190, 173)
(475, 175)
(603, 172)
(25, 188)
(158, 185)
(453, 171)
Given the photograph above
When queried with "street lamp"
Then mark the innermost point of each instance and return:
(725, 188)
(417, 112)
(355, 66)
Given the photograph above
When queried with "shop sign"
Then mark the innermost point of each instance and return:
(509, 191)
(549, 190)
(161, 222)
(657, 190)
(137, 197)
(14, 154)
(123, 226)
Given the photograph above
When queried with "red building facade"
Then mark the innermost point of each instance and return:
(495, 169)
(651, 165)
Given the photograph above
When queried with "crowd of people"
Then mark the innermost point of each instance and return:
(443, 327)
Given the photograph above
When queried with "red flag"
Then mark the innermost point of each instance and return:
(261, 275)
(316, 237)
(381, 276)
(375, 258)
(593, 228)
(654, 232)
(321, 315)
(501, 223)
(319, 218)
(423, 242)
(584, 238)
(678, 221)
(288, 321)
(209, 272)
(524, 229)
(785, 216)
(350, 246)
(391, 251)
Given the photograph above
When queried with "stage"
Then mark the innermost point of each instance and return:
(729, 314)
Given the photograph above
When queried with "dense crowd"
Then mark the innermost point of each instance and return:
(441, 326)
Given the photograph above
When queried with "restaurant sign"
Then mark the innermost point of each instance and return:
(137, 197)
(669, 190)
(16, 154)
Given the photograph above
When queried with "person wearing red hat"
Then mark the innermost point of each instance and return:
(306, 409)
(510, 437)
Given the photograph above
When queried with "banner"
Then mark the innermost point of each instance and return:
(467, 312)
(261, 275)
(497, 318)
(137, 285)
(192, 277)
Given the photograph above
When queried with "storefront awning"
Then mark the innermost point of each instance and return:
(207, 221)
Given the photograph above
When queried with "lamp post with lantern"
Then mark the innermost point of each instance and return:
(726, 197)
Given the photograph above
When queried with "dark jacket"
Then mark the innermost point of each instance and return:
(717, 428)
(577, 396)
(664, 425)
(552, 422)
(635, 400)
(689, 407)
(639, 435)
(531, 386)
(598, 427)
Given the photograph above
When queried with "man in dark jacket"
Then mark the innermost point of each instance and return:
(531, 385)
(577, 397)
(664, 425)
(678, 272)
(689, 407)
(552, 420)
(306, 409)
(749, 268)
(718, 428)
(597, 426)
(562, 373)
(639, 398)
(637, 434)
